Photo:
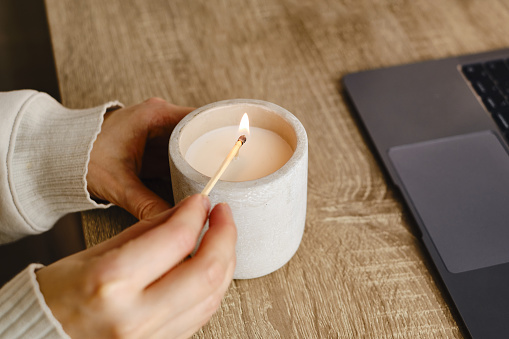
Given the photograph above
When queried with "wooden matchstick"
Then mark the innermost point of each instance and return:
(212, 182)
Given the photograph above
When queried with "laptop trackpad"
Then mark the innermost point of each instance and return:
(460, 189)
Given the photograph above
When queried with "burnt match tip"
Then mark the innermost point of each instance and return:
(243, 139)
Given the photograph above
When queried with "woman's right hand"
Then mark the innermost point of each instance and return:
(136, 284)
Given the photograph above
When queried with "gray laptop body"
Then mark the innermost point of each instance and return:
(446, 154)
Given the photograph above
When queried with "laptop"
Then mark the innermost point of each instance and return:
(441, 130)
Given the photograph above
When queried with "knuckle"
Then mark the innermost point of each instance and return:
(187, 240)
(145, 208)
(155, 100)
(120, 330)
(152, 115)
(215, 274)
(105, 276)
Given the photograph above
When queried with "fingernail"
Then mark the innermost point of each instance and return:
(206, 202)
(226, 207)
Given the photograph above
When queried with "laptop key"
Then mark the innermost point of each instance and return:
(504, 89)
(498, 70)
(490, 80)
(502, 119)
(494, 102)
(474, 72)
(484, 86)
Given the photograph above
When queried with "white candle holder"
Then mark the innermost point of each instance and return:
(269, 212)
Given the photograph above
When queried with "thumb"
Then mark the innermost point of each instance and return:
(141, 201)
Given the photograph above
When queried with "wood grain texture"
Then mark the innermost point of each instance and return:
(360, 271)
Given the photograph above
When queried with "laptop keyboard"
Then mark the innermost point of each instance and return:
(490, 80)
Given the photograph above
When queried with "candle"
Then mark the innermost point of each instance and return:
(266, 186)
(264, 153)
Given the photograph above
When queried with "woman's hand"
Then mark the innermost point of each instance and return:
(135, 285)
(133, 142)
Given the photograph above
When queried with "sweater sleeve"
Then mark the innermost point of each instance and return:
(23, 311)
(44, 152)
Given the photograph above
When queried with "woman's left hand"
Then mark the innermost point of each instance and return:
(133, 143)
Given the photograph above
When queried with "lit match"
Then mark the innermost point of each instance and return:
(243, 128)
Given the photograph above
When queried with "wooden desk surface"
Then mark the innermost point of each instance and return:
(360, 270)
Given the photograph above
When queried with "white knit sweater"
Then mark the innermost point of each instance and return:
(44, 154)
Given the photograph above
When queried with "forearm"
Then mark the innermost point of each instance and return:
(44, 152)
(45, 149)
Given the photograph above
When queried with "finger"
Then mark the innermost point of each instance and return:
(129, 233)
(165, 117)
(190, 321)
(140, 201)
(193, 281)
(147, 257)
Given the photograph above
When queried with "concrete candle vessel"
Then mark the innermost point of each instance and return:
(269, 212)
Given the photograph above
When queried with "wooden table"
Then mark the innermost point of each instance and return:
(360, 270)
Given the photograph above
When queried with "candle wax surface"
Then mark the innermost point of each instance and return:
(263, 153)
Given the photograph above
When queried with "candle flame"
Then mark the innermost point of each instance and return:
(244, 125)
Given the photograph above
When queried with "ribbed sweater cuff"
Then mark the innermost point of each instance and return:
(24, 311)
(48, 159)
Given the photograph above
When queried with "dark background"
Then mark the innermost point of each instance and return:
(26, 62)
